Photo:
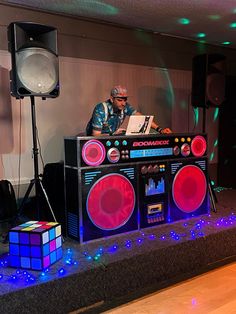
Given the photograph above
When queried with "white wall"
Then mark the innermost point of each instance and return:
(83, 83)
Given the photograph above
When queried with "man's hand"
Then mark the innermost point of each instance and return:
(166, 131)
(96, 133)
(120, 131)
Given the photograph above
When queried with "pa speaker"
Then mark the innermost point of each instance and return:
(35, 70)
(208, 80)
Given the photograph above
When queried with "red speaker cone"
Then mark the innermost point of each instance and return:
(111, 202)
(198, 146)
(93, 153)
(189, 188)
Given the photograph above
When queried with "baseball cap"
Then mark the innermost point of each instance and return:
(119, 91)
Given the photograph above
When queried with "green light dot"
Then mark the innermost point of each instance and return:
(216, 114)
(201, 35)
(226, 43)
(212, 156)
(214, 17)
(216, 143)
(184, 21)
(196, 114)
(233, 25)
(183, 104)
(201, 46)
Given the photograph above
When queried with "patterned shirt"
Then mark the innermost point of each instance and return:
(108, 121)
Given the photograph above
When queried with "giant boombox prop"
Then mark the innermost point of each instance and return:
(117, 184)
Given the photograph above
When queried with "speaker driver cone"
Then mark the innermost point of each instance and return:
(37, 70)
(189, 188)
(215, 88)
(111, 202)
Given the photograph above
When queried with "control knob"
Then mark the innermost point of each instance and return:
(113, 155)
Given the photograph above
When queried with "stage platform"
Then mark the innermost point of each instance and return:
(101, 274)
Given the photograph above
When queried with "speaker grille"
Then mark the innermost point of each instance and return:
(216, 88)
(208, 80)
(37, 70)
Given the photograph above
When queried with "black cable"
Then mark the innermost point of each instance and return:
(40, 149)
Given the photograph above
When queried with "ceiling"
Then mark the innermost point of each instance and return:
(210, 21)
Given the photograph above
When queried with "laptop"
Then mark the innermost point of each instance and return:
(139, 125)
(135, 125)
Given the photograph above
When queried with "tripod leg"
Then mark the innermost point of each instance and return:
(46, 197)
(212, 190)
(26, 197)
(213, 193)
(48, 203)
(212, 197)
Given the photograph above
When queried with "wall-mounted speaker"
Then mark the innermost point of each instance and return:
(35, 70)
(208, 80)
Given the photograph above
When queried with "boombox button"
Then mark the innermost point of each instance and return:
(150, 169)
(162, 167)
(113, 155)
(124, 142)
(155, 168)
(108, 143)
(144, 170)
(185, 150)
(176, 150)
(117, 143)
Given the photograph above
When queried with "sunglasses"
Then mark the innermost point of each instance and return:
(121, 98)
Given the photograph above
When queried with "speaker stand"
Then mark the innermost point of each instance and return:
(213, 197)
(204, 119)
(36, 182)
(212, 194)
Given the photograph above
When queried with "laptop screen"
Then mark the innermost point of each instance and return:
(139, 125)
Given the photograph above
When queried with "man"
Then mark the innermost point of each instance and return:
(109, 115)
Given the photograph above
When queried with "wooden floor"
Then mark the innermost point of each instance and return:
(211, 293)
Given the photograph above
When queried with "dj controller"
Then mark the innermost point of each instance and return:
(116, 184)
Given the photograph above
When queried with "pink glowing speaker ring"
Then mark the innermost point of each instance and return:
(198, 146)
(189, 188)
(111, 202)
(93, 153)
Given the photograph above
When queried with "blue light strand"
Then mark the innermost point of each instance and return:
(195, 232)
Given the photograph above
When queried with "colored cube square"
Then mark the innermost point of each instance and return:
(46, 250)
(14, 249)
(24, 250)
(36, 251)
(35, 245)
(24, 238)
(45, 237)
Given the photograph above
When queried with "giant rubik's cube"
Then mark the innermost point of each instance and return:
(35, 245)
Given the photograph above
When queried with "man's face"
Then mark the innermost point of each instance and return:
(119, 102)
